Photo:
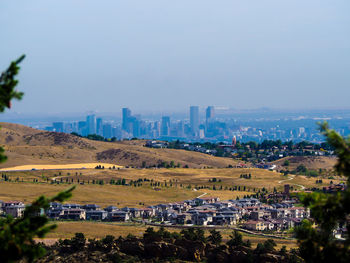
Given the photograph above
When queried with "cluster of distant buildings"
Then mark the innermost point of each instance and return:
(133, 126)
(194, 128)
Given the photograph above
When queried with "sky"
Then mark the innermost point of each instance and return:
(160, 55)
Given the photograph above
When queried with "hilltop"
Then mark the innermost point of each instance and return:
(25, 145)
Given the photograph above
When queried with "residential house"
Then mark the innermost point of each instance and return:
(73, 214)
(97, 215)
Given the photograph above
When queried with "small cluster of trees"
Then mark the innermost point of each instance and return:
(102, 167)
(214, 180)
(246, 176)
(5, 177)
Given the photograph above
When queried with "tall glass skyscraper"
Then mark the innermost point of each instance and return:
(126, 114)
(99, 125)
(209, 114)
(165, 126)
(194, 120)
(91, 124)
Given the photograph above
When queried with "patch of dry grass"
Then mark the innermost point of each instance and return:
(58, 166)
(102, 195)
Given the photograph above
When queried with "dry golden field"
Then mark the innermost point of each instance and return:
(102, 195)
(310, 162)
(58, 166)
(176, 189)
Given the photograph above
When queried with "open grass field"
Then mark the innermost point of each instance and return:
(173, 184)
(58, 166)
(100, 230)
(225, 177)
(103, 195)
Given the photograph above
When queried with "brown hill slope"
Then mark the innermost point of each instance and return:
(310, 162)
(25, 145)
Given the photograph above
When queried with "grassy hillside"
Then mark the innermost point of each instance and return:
(310, 162)
(27, 146)
(176, 188)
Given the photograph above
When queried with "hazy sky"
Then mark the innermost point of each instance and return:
(166, 55)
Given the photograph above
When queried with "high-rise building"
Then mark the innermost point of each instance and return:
(91, 124)
(135, 121)
(107, 130)
(99, 126)
(156, 129)
(82, 130)
(194, 120)
(126, 114)
(209, 114)
(165, 126)
(180, 129)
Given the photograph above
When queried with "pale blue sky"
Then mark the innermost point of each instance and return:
(166, 55)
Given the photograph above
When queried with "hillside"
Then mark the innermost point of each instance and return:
(26, 145)
(310, 162)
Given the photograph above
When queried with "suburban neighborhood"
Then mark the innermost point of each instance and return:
(248, 213)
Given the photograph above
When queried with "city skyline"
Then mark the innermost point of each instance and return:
(195, 128)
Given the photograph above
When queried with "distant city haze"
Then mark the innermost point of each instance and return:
(165, 56)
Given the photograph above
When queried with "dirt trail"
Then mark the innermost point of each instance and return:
(302, 187)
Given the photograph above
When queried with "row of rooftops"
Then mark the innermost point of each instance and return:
(201, 207)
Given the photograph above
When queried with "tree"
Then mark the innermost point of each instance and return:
(237, 240)
(266, 247)
(301, 169)
(328, 211)
(286, 163)
(215, 237)
(8, 82)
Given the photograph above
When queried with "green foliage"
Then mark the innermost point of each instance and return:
(286, 163)
(17, 235)
(193, 234)
(266, 247)
(301, 169)
(236, 239)
(318, 244)
(215, 237)
(8, 82)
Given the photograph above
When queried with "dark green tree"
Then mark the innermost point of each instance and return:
(215, 237)
(8, 82)
(236, 239)
(329, 211)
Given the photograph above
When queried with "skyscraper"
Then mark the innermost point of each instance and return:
(194, 120)
(107, 130)
(82, 130)
(165, 126)
(91, 124)
(126, 119)
(209, 114)
(99, 125)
